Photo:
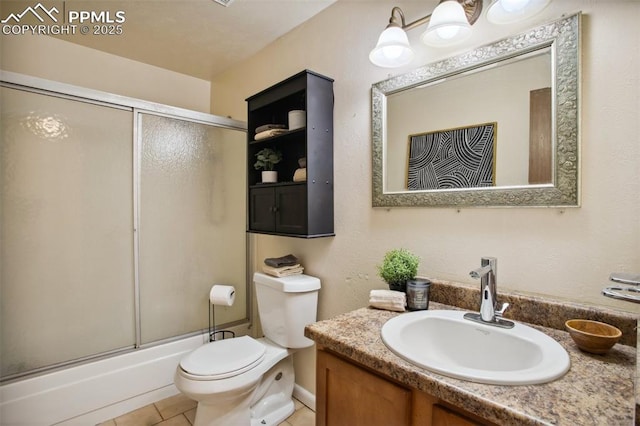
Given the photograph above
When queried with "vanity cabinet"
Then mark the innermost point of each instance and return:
(350, 394)
(303, 208)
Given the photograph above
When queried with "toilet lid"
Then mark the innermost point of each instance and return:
(224, 358)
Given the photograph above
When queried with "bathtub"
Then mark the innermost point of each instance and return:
(94, 392)
(98, 391)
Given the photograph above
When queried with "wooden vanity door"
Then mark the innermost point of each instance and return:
(349, 395)
(442, 416)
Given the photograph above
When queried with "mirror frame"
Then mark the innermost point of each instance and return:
(563, 36)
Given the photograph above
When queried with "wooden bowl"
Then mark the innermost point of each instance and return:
(593, 336)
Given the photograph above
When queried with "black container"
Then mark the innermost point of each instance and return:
(418, 294)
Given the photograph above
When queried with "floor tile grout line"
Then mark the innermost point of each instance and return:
(159, 413)
(169, 418)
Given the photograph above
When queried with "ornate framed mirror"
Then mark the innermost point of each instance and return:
(431, 146)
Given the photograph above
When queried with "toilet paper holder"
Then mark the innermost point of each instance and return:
(217, 334)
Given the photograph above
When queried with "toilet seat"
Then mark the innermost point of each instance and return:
(223, 359)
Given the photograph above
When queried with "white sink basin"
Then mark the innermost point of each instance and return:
(446, 343)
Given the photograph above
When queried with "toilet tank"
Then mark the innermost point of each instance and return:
(286, 305)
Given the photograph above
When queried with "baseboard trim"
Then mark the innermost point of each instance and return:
(304, 396)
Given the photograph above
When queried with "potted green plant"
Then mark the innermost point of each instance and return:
(398, 267)
(266, 159)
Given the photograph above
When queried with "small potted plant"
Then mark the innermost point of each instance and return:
(398, 267)
(266, 158)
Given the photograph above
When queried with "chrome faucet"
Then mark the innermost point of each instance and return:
(489, 314)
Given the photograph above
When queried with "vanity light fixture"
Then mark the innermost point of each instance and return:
(449, 24)
(508, 11)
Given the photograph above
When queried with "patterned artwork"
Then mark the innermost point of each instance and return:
(454, 158)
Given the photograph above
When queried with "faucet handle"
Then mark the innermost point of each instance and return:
(502, 310)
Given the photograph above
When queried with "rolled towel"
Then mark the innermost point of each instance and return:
(300, 175)
(388, 299)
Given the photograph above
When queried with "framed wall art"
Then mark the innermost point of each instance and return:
(463, 157)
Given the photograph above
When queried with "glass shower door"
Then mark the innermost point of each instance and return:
(192, 224)
(114, 225)
(66, 230)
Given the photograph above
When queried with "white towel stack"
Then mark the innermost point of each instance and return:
(270, 130)
(282, 266)
(283, 271)
(388, 299)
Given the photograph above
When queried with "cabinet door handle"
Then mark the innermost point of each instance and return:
(274, 209)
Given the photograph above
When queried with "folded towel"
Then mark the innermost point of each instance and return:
(300, 175)
(388, 299)
(387, 295)
(270, 127)
(269, 133)
(277, 262)
(285, 271)
(388, 306)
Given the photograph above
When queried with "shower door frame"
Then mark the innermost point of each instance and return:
(137, 107)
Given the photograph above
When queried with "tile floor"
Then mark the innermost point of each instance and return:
(179, 410)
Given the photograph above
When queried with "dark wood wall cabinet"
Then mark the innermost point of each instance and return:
(302, 207)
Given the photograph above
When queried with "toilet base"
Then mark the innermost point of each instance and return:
(272, 401)
(273, 417)
(266, 403)
(276, 416)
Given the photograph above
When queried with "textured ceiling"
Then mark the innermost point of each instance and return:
(196, 37)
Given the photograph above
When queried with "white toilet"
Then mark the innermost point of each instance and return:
(246, 381)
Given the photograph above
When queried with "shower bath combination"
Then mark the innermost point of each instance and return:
(113, 213)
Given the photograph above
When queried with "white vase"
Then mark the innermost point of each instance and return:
(269, 176)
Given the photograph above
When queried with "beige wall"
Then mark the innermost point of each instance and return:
(564, 253)
(65, 62)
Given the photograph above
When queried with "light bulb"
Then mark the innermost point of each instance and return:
(393, 48)
(448, 25)
(509, 11)
(514, 5)
(447, 32)
(392, 52)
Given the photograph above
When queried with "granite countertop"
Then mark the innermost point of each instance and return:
(597, 390)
